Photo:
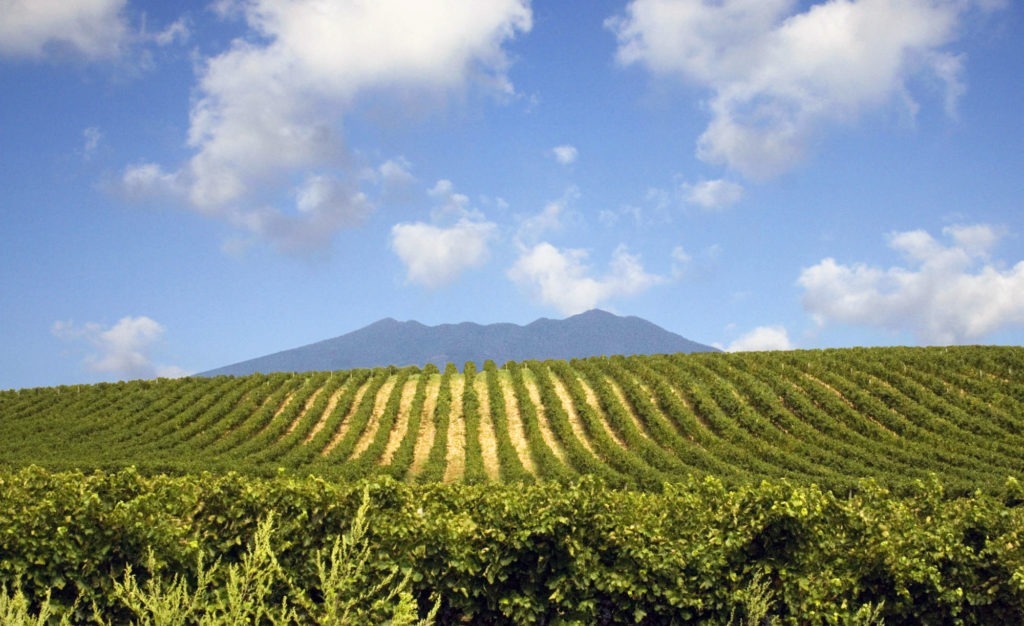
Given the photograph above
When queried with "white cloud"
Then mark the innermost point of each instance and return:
(270, 109)
(149, 179)
(565, 154)
(712, 195)
(91, 137)
(697, 265)
(947, 294)
(93, 29)
(608, 218)
(451, 204)
(976, 240)
(550, 217)
(178, 31)
(123, 349)
(561, 278)
(681, 260)
(762, 338)
(325, 204)
(396, 172)
(779, 73)
(435, 256)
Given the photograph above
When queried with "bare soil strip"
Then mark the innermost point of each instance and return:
(834, 391)
(425, 436)
(683, 400)
(621, 397)
(277, 413)
(455, 461)
(343, 426)
(542, 420)
(488, 440)
(402, 421)
(596, 405)
(689, 407)
(305, 409)
(850, 404)
(570, 410)
(373, 424)
(652, 396)
(670, 420)
(515, 422)
(332, 403)
(284, 404)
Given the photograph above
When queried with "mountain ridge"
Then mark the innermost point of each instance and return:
(391, 342)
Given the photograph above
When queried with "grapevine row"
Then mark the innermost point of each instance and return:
(830, 417)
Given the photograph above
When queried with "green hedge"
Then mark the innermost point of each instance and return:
(544, 553)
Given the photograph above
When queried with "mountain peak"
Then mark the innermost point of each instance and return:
(390, 342)
(593, 314)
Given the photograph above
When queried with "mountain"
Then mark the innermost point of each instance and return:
(390, 342)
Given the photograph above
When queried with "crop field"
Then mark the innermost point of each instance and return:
(853, 486)
(830, 418)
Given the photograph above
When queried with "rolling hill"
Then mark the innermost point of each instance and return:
(390, 342)
(829, 417)
(627, 486)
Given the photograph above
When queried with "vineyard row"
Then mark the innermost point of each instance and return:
(830, 417)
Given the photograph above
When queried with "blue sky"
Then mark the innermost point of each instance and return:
(187, 185)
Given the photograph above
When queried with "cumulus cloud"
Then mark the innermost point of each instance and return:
(176, 32)
(435, 256)
(450, 203)
(550, 217)
(143, 180)
(947, 293)
(780, 71)
(681, 260)
(93, 29)
(762, 338)
(712, 195)
(269, 109)
(395, 173)
(565, 154)
(325, 204)
(123, 349)
(562, 278)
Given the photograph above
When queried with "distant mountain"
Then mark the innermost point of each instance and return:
(390, 342)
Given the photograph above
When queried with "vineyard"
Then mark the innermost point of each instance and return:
(830, 417)
(854, 486)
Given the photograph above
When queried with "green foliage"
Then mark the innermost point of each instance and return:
(753, 604)
(403, 458)
(697, 552)
(474, 469)
(808, 487)
(16, 610)
(510, 467)
(435, 465)
(825, 417)
(348, 596)
(254, 590)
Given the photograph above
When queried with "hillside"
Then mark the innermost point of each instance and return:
(390, 342)
(828, 417)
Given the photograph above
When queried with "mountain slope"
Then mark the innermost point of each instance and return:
(390, 342)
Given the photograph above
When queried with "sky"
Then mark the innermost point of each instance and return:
(191, 184)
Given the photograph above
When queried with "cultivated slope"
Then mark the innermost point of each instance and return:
(829, 417)
(390, 342)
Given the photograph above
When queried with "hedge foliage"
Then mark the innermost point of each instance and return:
(542, 553)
